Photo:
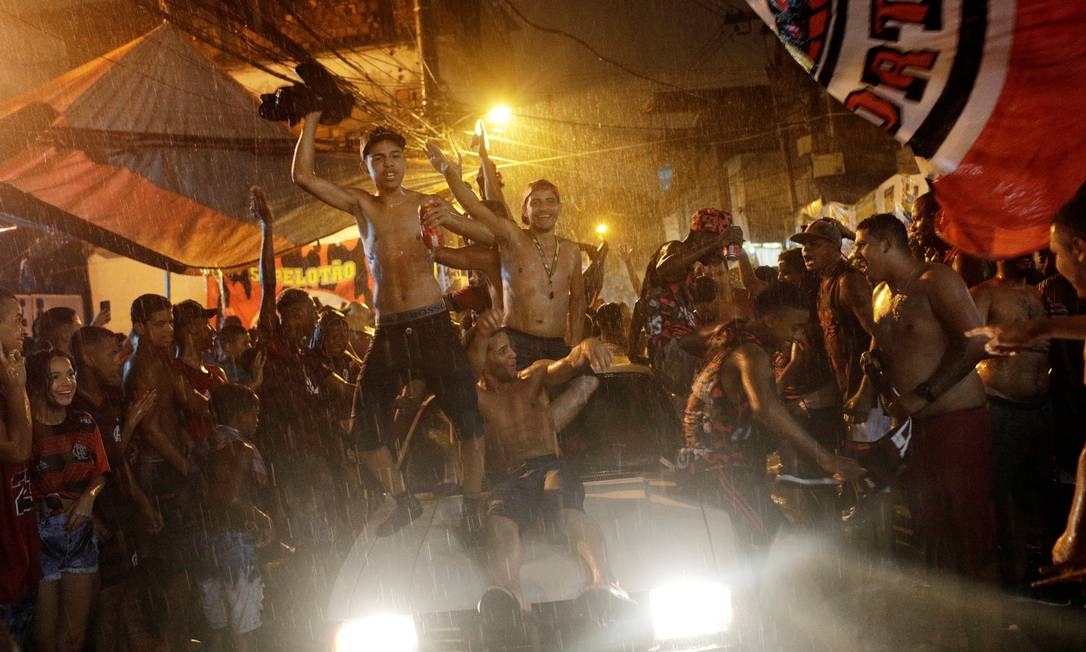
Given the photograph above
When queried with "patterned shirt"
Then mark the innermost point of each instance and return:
(668, 305)
(713, 420)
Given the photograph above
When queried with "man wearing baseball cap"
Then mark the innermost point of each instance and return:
(844, 308)
(665, 309)
(414, 337)
(195, 337)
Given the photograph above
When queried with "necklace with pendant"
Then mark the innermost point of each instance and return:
(899, 298)
(549, 269)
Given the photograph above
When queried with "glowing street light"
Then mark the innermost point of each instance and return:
(601, 230)
(500, 115)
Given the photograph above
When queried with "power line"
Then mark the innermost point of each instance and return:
(594, 125)
(576, 39)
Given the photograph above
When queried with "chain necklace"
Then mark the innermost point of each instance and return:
(899, 297)
(549, 269)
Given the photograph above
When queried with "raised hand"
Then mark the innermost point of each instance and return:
(258, 368)
(484, 155)
(489, 322)
(102, 318)
(439, 161)
(13, 370)
(731, 235)
(258, 205)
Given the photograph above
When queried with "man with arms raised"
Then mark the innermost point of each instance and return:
(528, 477)
(921, 313)
(415, 338)
(1018, 401)
(541, 273)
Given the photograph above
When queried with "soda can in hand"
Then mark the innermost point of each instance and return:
(432, 236)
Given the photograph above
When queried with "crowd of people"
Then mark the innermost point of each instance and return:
(152, 479)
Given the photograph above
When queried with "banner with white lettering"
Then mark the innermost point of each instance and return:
(335, 274)
(985, 90)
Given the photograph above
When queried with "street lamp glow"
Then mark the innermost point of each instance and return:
(601, 229)
(500, 115)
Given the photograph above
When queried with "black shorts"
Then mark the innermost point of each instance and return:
(521, 496)
(419, 345)
(530, 348)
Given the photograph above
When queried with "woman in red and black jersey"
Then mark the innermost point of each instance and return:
(68, 467)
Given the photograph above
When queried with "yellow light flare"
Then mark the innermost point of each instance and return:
(601, 229)
(500, 115)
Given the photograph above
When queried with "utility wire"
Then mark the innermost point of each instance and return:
(578, 40)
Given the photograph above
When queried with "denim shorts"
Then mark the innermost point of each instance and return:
(231, 590)
(64, 551)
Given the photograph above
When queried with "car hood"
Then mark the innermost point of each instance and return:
(652, 537)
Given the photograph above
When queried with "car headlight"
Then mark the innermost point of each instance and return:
(690, 609)
(378, 633)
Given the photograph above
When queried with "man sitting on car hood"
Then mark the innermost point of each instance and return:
(528, 478)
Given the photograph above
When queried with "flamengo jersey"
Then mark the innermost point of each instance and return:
(20, 547)
(985, 90)
(68, 456)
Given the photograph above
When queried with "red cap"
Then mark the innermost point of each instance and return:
(710, 219)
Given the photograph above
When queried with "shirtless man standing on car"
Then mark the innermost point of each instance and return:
(542, 286)
(528, 477)
(415, 339)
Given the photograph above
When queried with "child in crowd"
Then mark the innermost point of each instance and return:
(227, 475)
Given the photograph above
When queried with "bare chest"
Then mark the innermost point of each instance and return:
(904, 317)
(395, 241)
(531, 270)
(510, 403)
(1017, 304)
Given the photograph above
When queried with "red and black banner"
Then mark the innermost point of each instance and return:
(982, 89)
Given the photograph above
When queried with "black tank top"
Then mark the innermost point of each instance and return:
(845, 338)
